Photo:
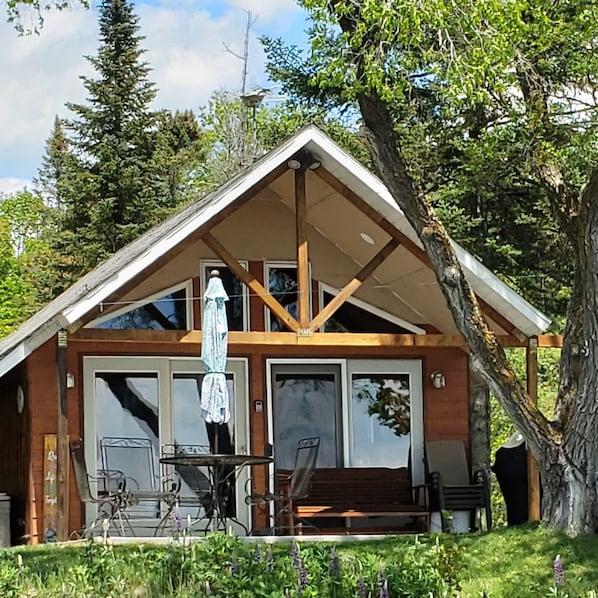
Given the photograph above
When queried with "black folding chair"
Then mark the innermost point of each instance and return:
(135, 458)
(291, 485)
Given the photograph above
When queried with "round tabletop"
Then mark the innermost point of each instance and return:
(209, 459)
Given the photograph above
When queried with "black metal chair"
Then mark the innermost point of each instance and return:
(146, 491)
(451, 486)
(291, 485)
(110, 497)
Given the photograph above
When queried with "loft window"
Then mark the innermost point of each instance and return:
(237, 306)
(168, 310)
(355, 315)
(282, 285)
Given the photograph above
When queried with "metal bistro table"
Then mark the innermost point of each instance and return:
(218, 466)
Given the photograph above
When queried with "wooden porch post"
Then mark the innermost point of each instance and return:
(302, 250)
(533, 477)
(62, 463)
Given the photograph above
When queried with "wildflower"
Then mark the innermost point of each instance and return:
(302, 576)
(295, 556)
(257, 555)
(177, 519)
(335, 567)
(234, 568)
(559, 574)
(361, 592)
(208, 589)
(269, 560)
(383, 586)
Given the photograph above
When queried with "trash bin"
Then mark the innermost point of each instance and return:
(510, 468)
(4, 520)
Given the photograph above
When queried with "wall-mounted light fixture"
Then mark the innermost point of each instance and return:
(70, 380)
(303, 160)
(438, 379)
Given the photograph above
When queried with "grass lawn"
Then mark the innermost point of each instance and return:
(507, 562)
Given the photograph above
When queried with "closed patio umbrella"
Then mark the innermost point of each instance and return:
(215, 404)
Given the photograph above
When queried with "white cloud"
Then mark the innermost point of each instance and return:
(10, 185)
(185, 49)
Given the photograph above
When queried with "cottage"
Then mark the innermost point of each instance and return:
(338, 329)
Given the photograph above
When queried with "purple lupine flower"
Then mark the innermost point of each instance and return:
(269, 559)
(335, 565)
(177, 518)
(361, 592)
(383, 587)
(257, 555)
(559, 574)
(234, 568)
(302, 576)
(295, 556)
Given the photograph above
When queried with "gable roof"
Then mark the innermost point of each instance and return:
(90, 291)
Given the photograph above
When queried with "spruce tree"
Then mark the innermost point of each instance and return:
(111, 191)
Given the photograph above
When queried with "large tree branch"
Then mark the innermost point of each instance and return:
(487, 355)
(563, 199)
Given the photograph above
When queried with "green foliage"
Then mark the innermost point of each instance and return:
(116, 168)
(27, 15)
(226, 566)
(446, 79)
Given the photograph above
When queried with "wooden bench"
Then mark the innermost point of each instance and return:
(365, 492)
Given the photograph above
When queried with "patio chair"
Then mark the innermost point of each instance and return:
(452, 488)
(135, 458)
(111, 495)
(291, 485)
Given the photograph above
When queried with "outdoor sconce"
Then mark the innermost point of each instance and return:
(70, 380)
(438, 379)
(303, 160)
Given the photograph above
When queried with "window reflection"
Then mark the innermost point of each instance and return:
(235, 289)
(165, 313)
(305, 405)
(282, 285)
(352, 318)
(380, 420)
(192, 434)
(127, 406)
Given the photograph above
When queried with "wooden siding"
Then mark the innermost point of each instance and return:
(445, 409)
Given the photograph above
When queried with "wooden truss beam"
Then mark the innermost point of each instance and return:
(353, 285)
(319, 339)
(250, 280)
(406, 242)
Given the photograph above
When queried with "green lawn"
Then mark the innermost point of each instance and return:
(506, 562)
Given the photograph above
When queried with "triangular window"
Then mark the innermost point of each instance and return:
(355, 315)
(168, 310)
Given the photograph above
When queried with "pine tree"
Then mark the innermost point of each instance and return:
(111, 191)
(55, 165)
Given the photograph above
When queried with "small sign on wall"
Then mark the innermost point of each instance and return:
(50, 507)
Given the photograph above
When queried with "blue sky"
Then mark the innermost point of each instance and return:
(185, 42)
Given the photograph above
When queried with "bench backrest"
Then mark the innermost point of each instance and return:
(372, 485)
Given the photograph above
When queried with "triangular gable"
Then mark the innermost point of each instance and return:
(73, 306)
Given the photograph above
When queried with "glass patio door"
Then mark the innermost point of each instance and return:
(157, 399)
(367, 412)
(305, 402)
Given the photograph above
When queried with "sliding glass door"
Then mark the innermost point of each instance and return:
(367, 413)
